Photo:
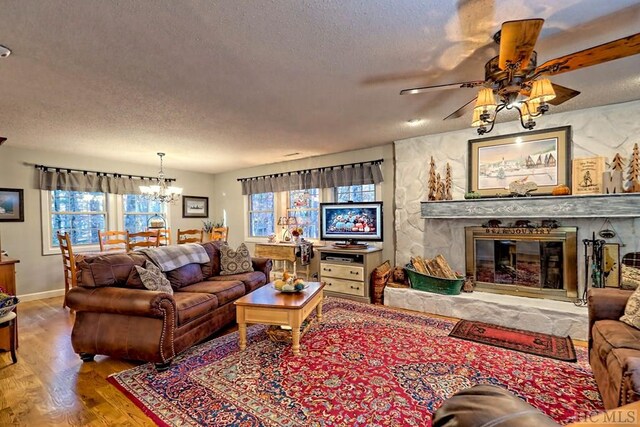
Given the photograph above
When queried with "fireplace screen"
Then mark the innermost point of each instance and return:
(527, 263)
(536, 262)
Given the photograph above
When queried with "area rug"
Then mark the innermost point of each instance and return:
(560, 348)
(362, 365)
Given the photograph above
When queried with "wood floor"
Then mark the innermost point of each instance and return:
(50, 386)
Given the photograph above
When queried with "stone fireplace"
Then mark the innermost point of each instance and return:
(523, 261)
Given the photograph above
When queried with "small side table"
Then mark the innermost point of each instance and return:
(9, 321)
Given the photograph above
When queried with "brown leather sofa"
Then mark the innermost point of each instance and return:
(614, 347)
(118, 317)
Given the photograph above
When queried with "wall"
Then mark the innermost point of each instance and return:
(600, 131)
(229, 201)
(41, 276)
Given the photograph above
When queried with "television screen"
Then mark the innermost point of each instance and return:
(351, 222)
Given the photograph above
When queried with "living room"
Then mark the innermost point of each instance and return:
(231, 92)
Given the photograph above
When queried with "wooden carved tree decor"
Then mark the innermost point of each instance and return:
(612, 180)
(633, 174)
(448, 183)
(432, 181)
(439, 188)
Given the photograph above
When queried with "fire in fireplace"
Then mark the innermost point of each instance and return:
(537, 262)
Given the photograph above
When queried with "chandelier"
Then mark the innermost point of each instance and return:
(487, 109)
(161, 192)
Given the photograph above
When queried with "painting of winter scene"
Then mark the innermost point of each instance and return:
(531, 161)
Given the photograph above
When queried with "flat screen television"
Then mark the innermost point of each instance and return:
(351, 222)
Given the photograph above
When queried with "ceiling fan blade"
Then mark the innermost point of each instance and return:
(517, 40)
(426, 89)
(460, 111)
(616, 49)
(563, 94)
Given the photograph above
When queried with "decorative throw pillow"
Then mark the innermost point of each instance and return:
(632, 310)
(235, 262)
(630, 277)
(153, 279)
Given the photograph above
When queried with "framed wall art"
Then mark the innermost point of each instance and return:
(11, 204)
(195, 207)
(611, 270)
(542, 157)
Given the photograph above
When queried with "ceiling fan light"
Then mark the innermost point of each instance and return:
(476, 121)
(486, 100)
(530, 109)
(542, 91)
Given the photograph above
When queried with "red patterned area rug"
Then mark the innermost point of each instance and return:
(560, 348)
(362, 365)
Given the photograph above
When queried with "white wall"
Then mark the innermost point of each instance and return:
(38, 274)
(228, 191)
(601, 131)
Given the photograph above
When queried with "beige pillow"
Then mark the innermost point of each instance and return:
(630, 277)
(153, 279)
(632, 310)
(235, 262)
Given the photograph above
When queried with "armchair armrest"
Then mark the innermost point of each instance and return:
(263, 264)
(606, 303)
(132, 302)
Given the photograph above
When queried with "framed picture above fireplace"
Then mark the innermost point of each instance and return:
(540, 157)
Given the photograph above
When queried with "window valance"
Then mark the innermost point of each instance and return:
(52, 178)
(326, 177)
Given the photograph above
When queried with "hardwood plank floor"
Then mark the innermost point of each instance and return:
(51, 386)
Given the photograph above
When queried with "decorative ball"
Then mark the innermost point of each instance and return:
(288, 288)
(299, 286)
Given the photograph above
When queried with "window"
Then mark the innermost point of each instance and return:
(356, 193)
(261, 214)
(137, 209)
(79, 213)
(305, 206)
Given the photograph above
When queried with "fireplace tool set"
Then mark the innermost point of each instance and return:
(592, 261)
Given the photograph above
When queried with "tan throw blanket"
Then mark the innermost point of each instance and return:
(175, 256)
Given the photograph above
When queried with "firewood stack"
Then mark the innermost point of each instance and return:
(436, 267)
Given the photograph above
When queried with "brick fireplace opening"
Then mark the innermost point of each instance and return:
(536, 262)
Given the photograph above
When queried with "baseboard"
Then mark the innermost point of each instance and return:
(41, 295)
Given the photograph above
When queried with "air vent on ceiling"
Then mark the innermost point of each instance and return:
(291, 154)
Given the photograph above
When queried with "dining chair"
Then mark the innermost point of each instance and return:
(115, 240)
(189, 236)
(220, 233)
(164, 236)
(68, 264)
(142, 239)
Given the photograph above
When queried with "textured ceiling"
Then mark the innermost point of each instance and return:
(221, 85)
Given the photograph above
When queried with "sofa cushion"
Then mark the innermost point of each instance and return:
(252, 280)
(111, 270)
(226, 291)
(631, 314)
(630, 277)
(185, 275)
(235, 261)
(610, 334)
(153, 279)
(191, 305)
(212, 268)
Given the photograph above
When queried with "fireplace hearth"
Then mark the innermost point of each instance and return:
(525, 261)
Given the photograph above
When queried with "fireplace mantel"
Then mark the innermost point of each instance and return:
(594, 206)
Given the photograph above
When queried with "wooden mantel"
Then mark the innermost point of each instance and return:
(592, 206)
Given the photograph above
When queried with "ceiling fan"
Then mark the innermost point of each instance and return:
(519, 82)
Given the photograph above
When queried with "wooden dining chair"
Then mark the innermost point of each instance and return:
(164, 236)
(142, 239)
(112, 240)
(220, 233)
(68, 264)
(189, 236)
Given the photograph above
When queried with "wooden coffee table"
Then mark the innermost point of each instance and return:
(268, 306)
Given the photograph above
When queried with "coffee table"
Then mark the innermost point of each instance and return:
(268, 306)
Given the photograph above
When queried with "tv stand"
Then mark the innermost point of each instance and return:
(346, 272)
